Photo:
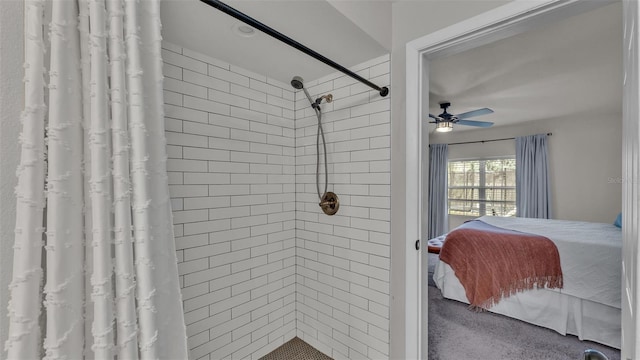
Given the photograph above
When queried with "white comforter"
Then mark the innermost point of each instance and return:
(590, 254)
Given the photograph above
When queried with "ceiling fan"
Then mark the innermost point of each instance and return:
(444, 122)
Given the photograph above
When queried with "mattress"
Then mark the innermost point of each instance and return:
(589, 303)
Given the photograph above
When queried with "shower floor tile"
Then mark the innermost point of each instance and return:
(295, 349)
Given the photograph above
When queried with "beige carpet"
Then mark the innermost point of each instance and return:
(295, 349)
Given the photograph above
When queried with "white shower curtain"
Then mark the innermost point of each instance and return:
(93, 221)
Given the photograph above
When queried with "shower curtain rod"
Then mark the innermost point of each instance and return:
(484, 141)
(287, 40)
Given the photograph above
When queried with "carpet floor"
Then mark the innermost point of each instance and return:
(295, 349)
(455, 332)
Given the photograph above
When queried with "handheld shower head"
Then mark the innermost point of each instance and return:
(297, 82)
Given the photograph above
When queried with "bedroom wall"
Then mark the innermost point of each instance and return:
(584, 162)
(343, 261)
(230, 136)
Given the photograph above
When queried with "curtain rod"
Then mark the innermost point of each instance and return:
(287, 40)
(485, 141)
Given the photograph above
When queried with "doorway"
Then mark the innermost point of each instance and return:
(508, 20)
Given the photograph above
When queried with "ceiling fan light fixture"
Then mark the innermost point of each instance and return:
(444, 126)
(444, 122)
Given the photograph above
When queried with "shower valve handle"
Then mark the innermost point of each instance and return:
(329, 203)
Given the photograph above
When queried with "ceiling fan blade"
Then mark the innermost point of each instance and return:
(433, 116)
(483, 124)
(478, 112)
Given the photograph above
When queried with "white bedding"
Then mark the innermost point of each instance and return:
(589, 303)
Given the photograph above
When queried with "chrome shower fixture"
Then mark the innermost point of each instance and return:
(329, 202)
(328, 98)
(298, 83)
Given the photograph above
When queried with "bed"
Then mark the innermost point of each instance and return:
(587, 305)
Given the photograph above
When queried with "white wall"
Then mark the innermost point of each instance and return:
(250, 281)
(411, 20)
(373, 17)
(584, 162)
(230, 136)
(11, 101)
(343, 260)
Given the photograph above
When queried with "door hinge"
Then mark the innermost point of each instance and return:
(418, 244)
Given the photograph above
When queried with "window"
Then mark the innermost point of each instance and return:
(482, 187)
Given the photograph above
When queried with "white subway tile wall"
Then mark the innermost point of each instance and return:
(259, 263)
(343, 261)
(231, 146)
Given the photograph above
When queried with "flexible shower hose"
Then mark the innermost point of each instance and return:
(319, 134)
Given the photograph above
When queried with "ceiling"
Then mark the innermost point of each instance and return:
(571, 68)
(347, 32)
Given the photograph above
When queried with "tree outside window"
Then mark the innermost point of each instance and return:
(482, 187)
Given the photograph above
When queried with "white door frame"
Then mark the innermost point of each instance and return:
(631, 178)
(505, 21)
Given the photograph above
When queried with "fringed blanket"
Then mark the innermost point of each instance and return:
(492, 263)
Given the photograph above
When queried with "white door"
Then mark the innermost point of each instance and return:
(631, 187)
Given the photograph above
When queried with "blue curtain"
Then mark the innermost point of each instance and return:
(438, 156)
(532, 177)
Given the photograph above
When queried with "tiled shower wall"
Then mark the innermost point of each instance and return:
(231, 140)
(343, 261)
(259, 263)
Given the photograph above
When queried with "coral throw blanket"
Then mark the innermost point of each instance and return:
(492, 263)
